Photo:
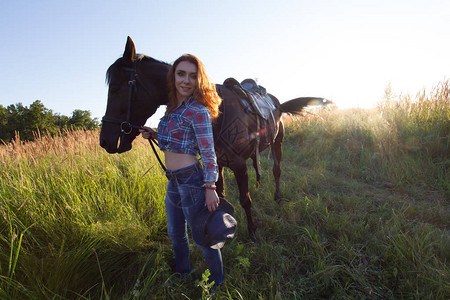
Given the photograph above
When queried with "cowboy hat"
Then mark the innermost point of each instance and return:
(213, 228)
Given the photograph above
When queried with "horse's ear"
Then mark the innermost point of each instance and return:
(130, 51)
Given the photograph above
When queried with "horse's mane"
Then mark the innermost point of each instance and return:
(118, 63)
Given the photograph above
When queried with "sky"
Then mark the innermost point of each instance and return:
(346, 51)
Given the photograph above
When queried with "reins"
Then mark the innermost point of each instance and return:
(152, 141)
(126, 127)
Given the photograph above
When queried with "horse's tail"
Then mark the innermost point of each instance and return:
(295, 106)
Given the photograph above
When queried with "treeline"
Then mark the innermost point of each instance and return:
(27, 121)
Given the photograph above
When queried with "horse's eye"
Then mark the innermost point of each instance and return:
(114, 88)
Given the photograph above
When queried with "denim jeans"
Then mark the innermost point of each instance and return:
(185, 197)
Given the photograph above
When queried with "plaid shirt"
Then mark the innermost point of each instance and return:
(188, 129)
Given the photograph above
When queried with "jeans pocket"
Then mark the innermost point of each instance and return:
(191, 190)
(197, 196)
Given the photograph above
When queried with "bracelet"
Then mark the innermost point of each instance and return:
(209, 186)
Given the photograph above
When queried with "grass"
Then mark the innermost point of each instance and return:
(365, 214)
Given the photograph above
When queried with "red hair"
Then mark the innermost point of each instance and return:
(205, 93)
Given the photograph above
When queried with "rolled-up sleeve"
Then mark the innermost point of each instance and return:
(203, 132)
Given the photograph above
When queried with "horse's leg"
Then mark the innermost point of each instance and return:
(241, 176)
(278, 152)
(220, 183)
(255, 166)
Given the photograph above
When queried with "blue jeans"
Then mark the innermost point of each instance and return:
(185, 197)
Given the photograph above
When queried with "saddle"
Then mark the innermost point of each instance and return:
(253, 97)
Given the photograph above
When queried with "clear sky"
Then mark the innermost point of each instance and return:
(346, 51)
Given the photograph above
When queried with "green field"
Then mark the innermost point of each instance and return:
(365, 214)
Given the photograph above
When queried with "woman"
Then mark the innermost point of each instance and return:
(183, 132)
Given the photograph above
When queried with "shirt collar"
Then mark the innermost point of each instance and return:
(188, 100)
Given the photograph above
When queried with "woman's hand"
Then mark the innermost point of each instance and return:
(147, 132)
(212, 200)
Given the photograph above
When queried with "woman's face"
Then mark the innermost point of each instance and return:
(185, 79)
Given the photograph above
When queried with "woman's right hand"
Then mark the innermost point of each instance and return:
(147, 132)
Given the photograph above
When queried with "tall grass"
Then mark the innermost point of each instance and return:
(66, 199)
(365, 214)
(404, 141)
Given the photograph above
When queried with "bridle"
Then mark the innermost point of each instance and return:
(126, 127)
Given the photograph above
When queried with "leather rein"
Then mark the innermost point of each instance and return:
(126, 127)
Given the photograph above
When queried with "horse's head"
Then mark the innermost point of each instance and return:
(137, 87)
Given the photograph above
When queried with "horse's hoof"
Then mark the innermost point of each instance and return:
(277, 198)
(252, 236)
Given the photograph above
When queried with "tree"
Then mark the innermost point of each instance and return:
(61, 121)
(3, 123)
(81, 119)
(38, 118)
(27, 121)
(15, 120)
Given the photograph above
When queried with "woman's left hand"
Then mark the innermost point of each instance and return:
(212, 200)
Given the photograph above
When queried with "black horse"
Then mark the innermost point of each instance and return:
(137, 87)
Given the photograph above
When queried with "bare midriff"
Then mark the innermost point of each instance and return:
(175, 161)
